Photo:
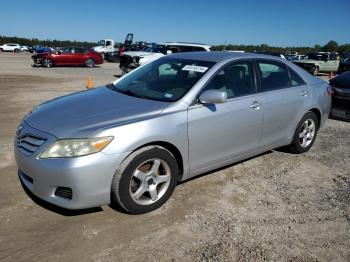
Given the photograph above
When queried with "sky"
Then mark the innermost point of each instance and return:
(272, 22)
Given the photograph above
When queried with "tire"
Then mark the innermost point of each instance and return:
(137, 185)
(16, 50)
(315, 70)
(305, 133)
(89, 63)
(47, 62)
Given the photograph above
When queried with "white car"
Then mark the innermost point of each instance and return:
(24, 48)
(10, 47)
(133, 59)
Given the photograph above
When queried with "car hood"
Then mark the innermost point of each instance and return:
(41, 54)
(137, 53)
(85, 113)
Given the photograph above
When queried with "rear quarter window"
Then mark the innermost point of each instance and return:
(295, 79)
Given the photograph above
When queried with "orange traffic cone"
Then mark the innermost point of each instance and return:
(89, 83)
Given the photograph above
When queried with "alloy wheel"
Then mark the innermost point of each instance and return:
(307, 133)
(150, 181)
(47, 63)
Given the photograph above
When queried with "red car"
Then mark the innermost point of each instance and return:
(69, 56)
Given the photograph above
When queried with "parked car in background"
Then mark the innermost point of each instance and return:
(341, 96)
(344, 55)
(10, 48)
(177, 117)
(42, 49)
(344, 65)
(77, 56)
(30, 49)
(294, 57)
(319, 62)
(133, 59)
(112, 57)
(24, 48)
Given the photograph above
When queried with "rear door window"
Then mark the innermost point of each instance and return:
(273, 75)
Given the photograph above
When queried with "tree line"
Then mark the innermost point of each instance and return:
(47, 42)
(331, 46)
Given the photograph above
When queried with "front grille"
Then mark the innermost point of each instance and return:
(64, 192)
(28, 144)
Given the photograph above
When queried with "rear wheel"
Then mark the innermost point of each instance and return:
(16, 50)
(145, 180)
(47, 62)
(315, 70)
(90, 63)
(305, 133)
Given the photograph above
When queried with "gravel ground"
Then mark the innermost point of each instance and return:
(277, 206)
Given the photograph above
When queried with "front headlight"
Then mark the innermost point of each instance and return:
(76, 147)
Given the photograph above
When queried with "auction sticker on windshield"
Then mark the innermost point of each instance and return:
(199, 69)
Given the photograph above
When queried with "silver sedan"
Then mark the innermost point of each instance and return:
(182, 115)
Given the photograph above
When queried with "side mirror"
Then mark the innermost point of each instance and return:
(213, 96)
(169, 52)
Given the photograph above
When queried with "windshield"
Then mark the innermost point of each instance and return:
(166, 79)
(156, 49)
(101, 42)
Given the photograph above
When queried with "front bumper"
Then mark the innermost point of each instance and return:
(88, 177)
(37, 62)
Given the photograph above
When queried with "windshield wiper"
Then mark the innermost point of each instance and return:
(129, 93)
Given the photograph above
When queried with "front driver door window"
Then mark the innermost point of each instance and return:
(222, 132)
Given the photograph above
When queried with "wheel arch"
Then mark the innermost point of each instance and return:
(317, 112)
(171, 148)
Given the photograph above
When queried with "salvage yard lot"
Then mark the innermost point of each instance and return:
(277, 206)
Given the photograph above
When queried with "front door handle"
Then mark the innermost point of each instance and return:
(255, 105)
(303, 93)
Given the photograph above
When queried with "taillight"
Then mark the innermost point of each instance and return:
(330, 90)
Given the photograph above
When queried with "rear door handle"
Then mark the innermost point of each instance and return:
(303, 93)
(255, 105)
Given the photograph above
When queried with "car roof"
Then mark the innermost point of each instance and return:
(217, 56)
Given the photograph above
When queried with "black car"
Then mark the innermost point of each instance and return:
(341, 96)
(344, 65)
(112, 57)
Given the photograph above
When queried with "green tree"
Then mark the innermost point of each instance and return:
(331, 46)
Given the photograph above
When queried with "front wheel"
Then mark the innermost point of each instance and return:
(90, 63)
(145, 180)
(16, 50)
(305, 133)
(47, 62)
